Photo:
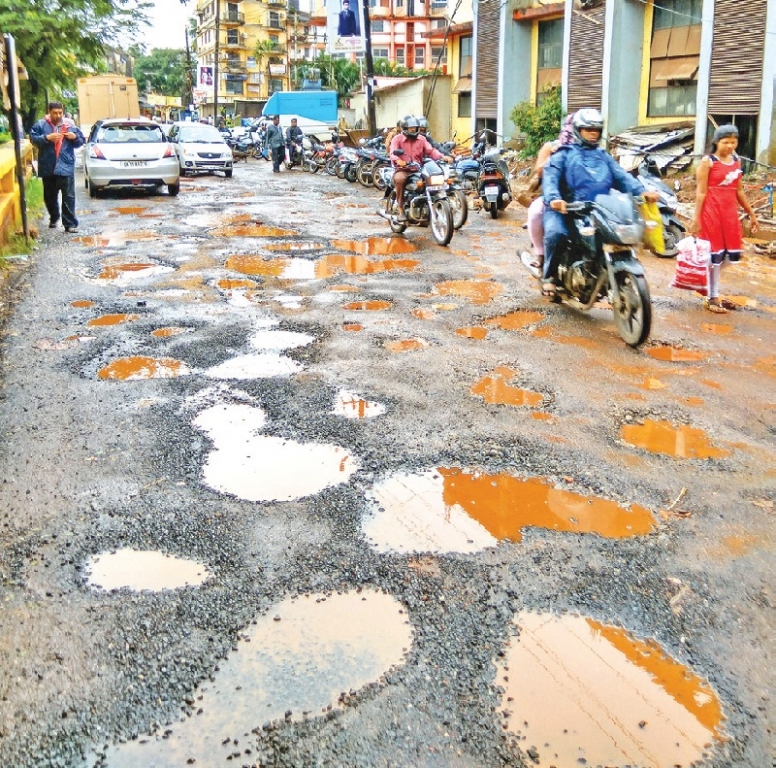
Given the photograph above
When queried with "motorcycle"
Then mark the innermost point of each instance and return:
(493, 182)
(426, 202)
(346, 168)
(459, 203)
(673, 230)
(600, 262)
(294, 154)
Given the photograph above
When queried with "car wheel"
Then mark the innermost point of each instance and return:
(173, 189)
(228, 173)
(92, 189)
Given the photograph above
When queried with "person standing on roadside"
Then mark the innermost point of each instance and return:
(718, 194)
(57, 138)
(276, 143)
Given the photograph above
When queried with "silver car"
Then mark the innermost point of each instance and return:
(201, 149)
(129, 153)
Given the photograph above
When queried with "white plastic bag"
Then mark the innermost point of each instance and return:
(692, 265)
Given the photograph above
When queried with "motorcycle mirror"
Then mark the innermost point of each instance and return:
(361, 142)
(455, 133)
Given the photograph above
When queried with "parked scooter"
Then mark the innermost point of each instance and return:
(493, 180)
(648, 174)
(426, 202)
(600, 262)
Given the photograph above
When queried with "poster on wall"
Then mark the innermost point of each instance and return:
(205, 76)
(345, 29)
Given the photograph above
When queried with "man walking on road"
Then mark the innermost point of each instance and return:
(276, 143)
(57, 138)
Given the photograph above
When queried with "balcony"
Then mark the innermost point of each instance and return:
(234, 45)
(276, 3)
(234, 67)
(232, 19)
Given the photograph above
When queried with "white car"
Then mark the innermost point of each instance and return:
(129, 153)
(201, 149)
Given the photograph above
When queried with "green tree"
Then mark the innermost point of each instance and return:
(541, 123)
(61, 40)
(163, 71)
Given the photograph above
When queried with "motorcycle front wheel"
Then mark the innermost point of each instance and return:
(379, 183)
(392, 209)
(364, 174)
(633, 312)
(441, 221)
(350, 173)
(459, 206)
(331, 166)
(672, 234)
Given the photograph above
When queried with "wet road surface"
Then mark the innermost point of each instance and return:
(282, 489)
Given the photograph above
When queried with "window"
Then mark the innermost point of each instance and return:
(275, 85)
(551, 44)
(275, 40)
(677, 13)
(378, 25)
(438, 23)
(274, 20)
(435, 55)
(464, 105)
(234, 87)
(232, 37)
(676, 100)
(400, 54)
(420, 56)
(465, 58)
(380, 53)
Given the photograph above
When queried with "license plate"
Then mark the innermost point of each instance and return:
(134, 163)
(491, 191)
(435, 188)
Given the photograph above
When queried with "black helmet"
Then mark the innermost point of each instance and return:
(410, 127)
(422, 124)
(590, 119)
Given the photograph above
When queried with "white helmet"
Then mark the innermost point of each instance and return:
(590, 119)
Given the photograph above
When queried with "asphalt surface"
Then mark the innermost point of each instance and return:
(376, 500)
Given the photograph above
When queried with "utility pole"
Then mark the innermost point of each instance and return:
(370, 71)
(216, 74)
(189, 78)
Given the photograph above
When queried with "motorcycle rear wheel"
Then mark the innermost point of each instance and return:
(378, 180)
(392, 209)
(459, 206)
(633, 313)
(364, 174)
(350, 173)
(331, 166)
(441, 221)
(493, 210)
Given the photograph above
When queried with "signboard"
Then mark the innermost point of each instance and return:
(205, 77)
(277, 69)
(344, 27)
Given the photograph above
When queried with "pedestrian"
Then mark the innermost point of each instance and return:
(276, 143)
(57, 138)
(719, 192)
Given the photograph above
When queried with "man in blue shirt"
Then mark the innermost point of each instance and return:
(57, 138)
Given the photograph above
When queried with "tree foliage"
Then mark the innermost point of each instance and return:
(61, 40)
(541, 123)
(163, 71)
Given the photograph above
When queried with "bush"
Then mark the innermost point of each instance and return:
(539, 124)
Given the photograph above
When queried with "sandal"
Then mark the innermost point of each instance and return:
(550, 291)
(715, 305)
(727, 304)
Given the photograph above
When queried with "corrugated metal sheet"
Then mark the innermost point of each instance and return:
(487, 45)
(737, 57)
(586, 59)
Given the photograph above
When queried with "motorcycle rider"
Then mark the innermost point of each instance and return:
(294, 135)
(426, 131)
(415, 148)
(578, 172)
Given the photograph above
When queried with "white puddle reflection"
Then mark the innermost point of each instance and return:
(261, 366)
(265, 468)
(143, 570)
(353, 407)
(280, 340)
(126, 277)
(582, 692)
(408, 513)
(300, 656)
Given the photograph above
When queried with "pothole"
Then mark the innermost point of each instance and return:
(455, 510)
(375, 246)
(682, 441)
(578, 692)
(368, 306)
(496, 390)
(675, 354)
(141, 367)
(473, 332)
(117, 319)
(143, 570)
(354, 407)
(476, 291)
(514, 321)
(261, 366)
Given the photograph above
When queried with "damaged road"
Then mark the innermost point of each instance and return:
(280, 489)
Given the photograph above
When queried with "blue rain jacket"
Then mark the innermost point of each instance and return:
(49, 163)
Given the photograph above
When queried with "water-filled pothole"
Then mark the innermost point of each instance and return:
(374, 305)
(354, 407)
(579, 692)
(375, 246)
(476, 291)
(295, 661)
(405, 345)
(675, 354)
(143, 570)
(172, 330)
(141, 367)
(134, 271)
(496, 390)
(514, 321)
(682, 441)
(81, 303)
(265, 365)
(473, 332)
(262, 467)
(116, 319)
(455, 510)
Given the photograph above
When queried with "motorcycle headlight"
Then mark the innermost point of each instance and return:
(436, 179)
(630, 234)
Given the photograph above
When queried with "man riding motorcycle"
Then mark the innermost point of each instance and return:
(426, 132)
(414, 149)
(294, 136)
(578, 172)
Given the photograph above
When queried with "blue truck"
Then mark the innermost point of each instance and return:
(315, 111)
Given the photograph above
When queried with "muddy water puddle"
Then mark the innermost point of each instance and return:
(117, 319)
(296, 659)
(82, 303)
(456, 510)
(165, 333)
(226, 284)
(260, 467)
(296, 247)
(317, 269)
(676, 354)
(260, 366)
(375, 246)
(579, 692)
(352, 406)
(352, 327)
(405, 345)
(375, 305)
(476, 332)
(682, 441)
(496, 390)
(476, 291)
(134, 271)
(514, 321)
(279, 340)
(720, 329)
(143, 570)
(252, 230)
(141, 367)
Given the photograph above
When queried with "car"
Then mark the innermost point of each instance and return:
(129, 153)
(201, 149)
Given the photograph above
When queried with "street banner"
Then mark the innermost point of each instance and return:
(205, 75)
(344, 27)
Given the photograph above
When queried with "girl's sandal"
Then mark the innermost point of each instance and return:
(715, 305)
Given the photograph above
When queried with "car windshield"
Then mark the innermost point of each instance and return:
(200, 133)
(123, 133)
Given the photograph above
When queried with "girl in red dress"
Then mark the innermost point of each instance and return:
(719, 193)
